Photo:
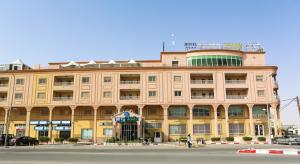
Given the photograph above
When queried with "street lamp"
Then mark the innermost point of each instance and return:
(269, 125)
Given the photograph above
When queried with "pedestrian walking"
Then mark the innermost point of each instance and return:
(189, 141)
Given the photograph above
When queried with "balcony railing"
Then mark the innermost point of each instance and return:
(3, 99)
(3, 85)
(202, 97)
(130, 82)
(235, 81)
(202, 81)
(129, 97)
(236, 96)
(63, 83)
(62, 98)
(259, 116)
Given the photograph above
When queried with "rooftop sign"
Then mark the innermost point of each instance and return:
(250, 47)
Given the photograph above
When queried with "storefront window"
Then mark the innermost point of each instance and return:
(236, 129)
(107, 132)
(201, 128)
(177, 129)
(86, 134)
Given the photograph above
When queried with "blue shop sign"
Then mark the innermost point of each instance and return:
(41, 128)
(62, 128)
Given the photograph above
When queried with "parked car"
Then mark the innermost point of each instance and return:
(24, 140)
(2, 138)
(290, 140)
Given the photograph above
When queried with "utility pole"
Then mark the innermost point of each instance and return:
(298, 104)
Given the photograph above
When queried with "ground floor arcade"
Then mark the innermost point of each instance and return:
(99, 123)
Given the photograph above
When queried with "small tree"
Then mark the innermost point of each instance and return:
(229, 139)
(261, 139)
(44, 139)
(73, 140)
(58, 139)
(215, 139)
(247, 138)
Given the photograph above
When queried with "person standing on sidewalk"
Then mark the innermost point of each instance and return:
(189, 141)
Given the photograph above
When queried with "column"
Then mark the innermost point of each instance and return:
(139, 129)
(72, 120)
(226, 120)
(190, 127)
(275, 118)
(95, 124)
(27, 130)
(50, 122)
(6, 119)
(215, 124)
(251, 123)
(166, 126)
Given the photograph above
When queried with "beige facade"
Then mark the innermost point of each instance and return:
(205, 93)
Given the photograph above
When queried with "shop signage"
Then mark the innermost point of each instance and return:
(39, 122)
(41, 128)
(66, 122)
(62, 128)
(127, 119)
(105, 123)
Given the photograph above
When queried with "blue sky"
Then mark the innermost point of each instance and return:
(62, 30)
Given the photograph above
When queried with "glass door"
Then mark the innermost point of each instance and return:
(259, 130)
(86, 134)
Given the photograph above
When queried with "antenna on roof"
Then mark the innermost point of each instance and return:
(173, 41)
(163, 47)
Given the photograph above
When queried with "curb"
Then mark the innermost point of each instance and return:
(270, 151)
(235, 143)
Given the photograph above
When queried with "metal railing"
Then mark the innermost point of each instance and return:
(259, 116)
(130, 82)
(202, 97)
(202, 81)
(66, 83)
(62, 98)
(129, 97)
(236, 96)
(3, 85)
(235, 81)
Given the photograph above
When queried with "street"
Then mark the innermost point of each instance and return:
(225, 154)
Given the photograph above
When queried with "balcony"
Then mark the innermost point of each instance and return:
(129, 97)
(63, 83)
(233, 80)
(197, 93)
(236, 96)
(4, 82)
(130, 81)
(205, 80)
(130, 94)
(3, 99)
(62, 98)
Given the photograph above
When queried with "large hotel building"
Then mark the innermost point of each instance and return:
(208, 90)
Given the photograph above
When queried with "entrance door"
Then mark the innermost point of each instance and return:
(86, 134)
(128, 131)
(64, 134)
(43, 133)
(259, 130)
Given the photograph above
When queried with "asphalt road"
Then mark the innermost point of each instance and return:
(124, 155)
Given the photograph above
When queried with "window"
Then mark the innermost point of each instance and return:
(177, 93)
(18, 96)
(86, 134)
(259, 78)
(151, 78)
(41, 95)
(177, 111)
(152, 93)
(218, 112)
(20, 81)
(219, 129)
(177, 129)
(42, 81)
(235, 111)
(260, 93)
(175, 63)
(152, 125)
(201, 128)
(177, 78)
(236, 129)
(107, 132)
(201, 111)
(107, 94)
(85, 95)
(107, 79)
(85, 80)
